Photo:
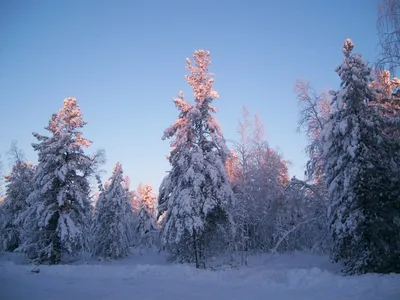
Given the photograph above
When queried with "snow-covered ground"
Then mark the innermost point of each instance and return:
(150, 276)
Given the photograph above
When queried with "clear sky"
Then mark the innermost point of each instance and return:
(125, 61)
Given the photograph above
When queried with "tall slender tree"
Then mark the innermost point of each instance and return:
(360, 177)
(146, 226)
(315, 110)
(196, 193)
(60, 210)
(19, 185)
(113, 219)
(303, 214)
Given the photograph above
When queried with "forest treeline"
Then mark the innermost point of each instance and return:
(215, 199)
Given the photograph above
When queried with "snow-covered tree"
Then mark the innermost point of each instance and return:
(239, 208)
(258, 175)
(19, 185)
(388, 101)
(238, 168)
(264, 176)
(267, 181)
(146, 226)
(315, 110)
(196, 192)
(59, 207)
(232, 167)
(301, 221)
(360, 175)
(301, 218)
(386, 87)
(113, 219)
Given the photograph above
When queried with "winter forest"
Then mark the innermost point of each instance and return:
(220, 200)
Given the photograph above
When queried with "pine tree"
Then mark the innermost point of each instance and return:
(19, 186)
(196, 192)
(146, 227)
(59, 215)
(359, 176)
(113, 219)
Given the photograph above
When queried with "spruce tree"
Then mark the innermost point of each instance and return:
(196, 192)
(19, 185)
(358, 170)
(146, 227)
(113, 219)
(58, 218)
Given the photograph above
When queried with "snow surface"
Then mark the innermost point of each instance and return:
(151, 276)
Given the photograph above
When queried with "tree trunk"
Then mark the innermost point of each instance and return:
(196, 250)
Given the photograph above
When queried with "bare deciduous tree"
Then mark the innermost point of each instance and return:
(315, 109)
(388, 25)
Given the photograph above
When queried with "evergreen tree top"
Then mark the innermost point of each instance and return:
(68, 121)
(355, 76)
(347, 47)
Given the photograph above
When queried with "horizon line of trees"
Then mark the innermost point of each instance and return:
(217, 200)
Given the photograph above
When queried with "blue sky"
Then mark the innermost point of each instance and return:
(125, 61)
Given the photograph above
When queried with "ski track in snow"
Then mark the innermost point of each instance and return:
(149, 276)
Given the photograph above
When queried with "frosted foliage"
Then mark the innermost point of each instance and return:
(266, 178)
(200, 188)
(197, 186)
(19, 184)
(347, 47)
(384, 84)
(258, 175)
(355, 76)
(357, 176)
(113, 219)
(301, 218)
(68, 121)
(146, 227)
(315, 111)
(199, 79)
(387, 100)
(59, 208)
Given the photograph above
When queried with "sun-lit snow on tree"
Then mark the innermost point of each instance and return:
(113, 219)
(387, 88)
(232, 167)
(196, 192)
(388, 101)
(268, 176)
(384, 84)
(359, 175)
(258, 175)
(238, 209)
(146, 231)
(59, 215)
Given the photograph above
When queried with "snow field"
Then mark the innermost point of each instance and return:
(150, 276)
